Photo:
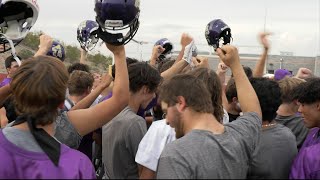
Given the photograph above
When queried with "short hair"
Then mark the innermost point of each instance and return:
(8, 61)
(287, 86)
(142, 74)
(269, 95)
(194, 91)
(309, 92)
(129, 61)
(213, 83)
(231, 90)
(78, 66)
(79, 82)
(247, 71)
(39, 87)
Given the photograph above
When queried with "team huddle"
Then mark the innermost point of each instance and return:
(171, 117)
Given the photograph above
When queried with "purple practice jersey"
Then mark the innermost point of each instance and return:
(307, 163)
(17, 163)
(5, 82)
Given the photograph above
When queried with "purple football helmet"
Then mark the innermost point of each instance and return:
(216, 31)
(57, 51)
(87, 34)
(165, 43)
(115, 16)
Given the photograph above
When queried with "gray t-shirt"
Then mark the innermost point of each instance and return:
(295, 123)
(201, 154)
(65, 131)
(120, 142)
(274, 155)
(22, 139)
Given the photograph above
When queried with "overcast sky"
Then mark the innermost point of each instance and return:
(295, 23)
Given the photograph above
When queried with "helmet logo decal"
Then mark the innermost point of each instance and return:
(57, 51)
(114, 23)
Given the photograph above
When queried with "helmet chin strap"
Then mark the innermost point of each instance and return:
(13, 49)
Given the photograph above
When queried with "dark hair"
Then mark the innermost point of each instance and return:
(78, 66)
(79, 82)
(269, 95)
(231, 90)
(165, 65)
(213, 83)
(39, 87)
(129, 61)
(309, 92)
(288, 86)
(194, 91)
(247, 71)
(142, 74)
(9, 61)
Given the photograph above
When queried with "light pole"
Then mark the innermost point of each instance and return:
(140, 43)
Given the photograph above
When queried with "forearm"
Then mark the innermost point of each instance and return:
(260, 66)
(153, 61)
(121, 83)
(181, 53)
(88, 100)
(246, 94)
(176, 68)
(83, 57)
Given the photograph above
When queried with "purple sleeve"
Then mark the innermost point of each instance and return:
(150, 105)
(87, 170)
(306, 165)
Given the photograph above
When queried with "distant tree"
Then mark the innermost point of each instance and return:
(100, 60)
(25, 53)
(72, 54)
(32, 40)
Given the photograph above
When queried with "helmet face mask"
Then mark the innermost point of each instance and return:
(118, 20)
(218, 33)
(87, 34)
(16, 19)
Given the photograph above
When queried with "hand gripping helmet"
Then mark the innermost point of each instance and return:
(57, 50)
(116, 16)
(167, 45)
(87, 34)
(16, 19)
(216, 31)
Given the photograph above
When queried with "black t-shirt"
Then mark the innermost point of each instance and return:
(233, 117)
(10, 109)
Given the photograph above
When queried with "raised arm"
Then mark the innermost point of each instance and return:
(45, 45)
(246, 94)
(156, 51)
(88, 100)
(260, 66)
(87, 120)
(174, 69)
(185, 40)
(83, 56)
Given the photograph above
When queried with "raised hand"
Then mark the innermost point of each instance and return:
(229, 55)
(304, 73)
(263, 39)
